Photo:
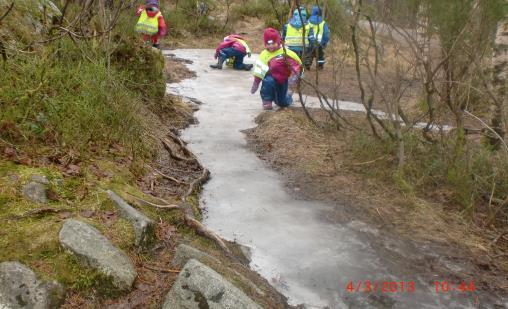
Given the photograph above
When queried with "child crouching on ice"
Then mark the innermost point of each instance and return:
(275, 67)
(233, 47)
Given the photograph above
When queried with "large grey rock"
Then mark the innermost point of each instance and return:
(198, 286)
(184, 253)
(144, 227)
(95, 250)
(36, 192)
(20, 288)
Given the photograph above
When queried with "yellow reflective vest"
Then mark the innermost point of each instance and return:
(318, 30)
(294, 36)
(148, 25)
(247, 49)
(261, 67)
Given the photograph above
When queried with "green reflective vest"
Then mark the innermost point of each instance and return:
(261, 67)
(318, 30)
(294, 36)
(148, 25)
(247, 49)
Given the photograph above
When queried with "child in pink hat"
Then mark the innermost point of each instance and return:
(275, 67)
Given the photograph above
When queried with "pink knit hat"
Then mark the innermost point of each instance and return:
(271, 35)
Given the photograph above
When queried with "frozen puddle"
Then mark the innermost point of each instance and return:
(307, 258)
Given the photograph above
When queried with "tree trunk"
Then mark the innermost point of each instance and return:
(500, 70)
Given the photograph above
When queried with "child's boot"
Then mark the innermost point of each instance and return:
(247, 67)
(267, 105)
(220, 62)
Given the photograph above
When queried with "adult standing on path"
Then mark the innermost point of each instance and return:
(293, 36)
(321, 34)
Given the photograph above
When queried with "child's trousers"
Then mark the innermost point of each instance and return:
(273, 91)
(229, 52)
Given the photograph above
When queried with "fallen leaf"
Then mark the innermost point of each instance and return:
(165, 231)
(87, 213)
(73, 169)
(10, 152)
(64, 215)
(24, 161)
(109, 217)
(53, 196)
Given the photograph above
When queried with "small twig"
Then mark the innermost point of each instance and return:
(488, 128)
(499, 255)
(166, 176)
(38, 212)
(8, 11)
(166, 206)
(164, 270)
(368, 162)
(493, 242)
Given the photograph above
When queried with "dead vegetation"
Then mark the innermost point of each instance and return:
(326, 164)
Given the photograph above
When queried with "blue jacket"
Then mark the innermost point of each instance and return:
(316, 19)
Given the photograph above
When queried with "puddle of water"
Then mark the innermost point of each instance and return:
(306, 257)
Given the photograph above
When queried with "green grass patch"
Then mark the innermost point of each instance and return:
(467, 173)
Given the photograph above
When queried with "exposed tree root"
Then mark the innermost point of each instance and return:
(173, 155)
(204, 177)
(167, 176)
(147, 203)
(204, 231)
(177, 140)
(189, 220)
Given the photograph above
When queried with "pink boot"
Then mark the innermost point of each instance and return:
(267, 105)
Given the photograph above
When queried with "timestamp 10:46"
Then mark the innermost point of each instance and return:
(446, 287)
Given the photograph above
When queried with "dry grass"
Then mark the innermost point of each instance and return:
(319, 160)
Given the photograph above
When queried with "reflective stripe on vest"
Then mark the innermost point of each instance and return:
(261, 67)
(294, 36)
(148, 25)
(319, 30)
(247, 49)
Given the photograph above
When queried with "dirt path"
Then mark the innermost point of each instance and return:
(308, 252)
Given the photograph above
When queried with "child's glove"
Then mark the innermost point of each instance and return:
(255, 86)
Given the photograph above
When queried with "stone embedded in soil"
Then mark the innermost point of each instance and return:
(198, 286)
(36, 192)
(40, 179)
(96, 251)
(184, 253)
(144, 228)
(20, 288)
